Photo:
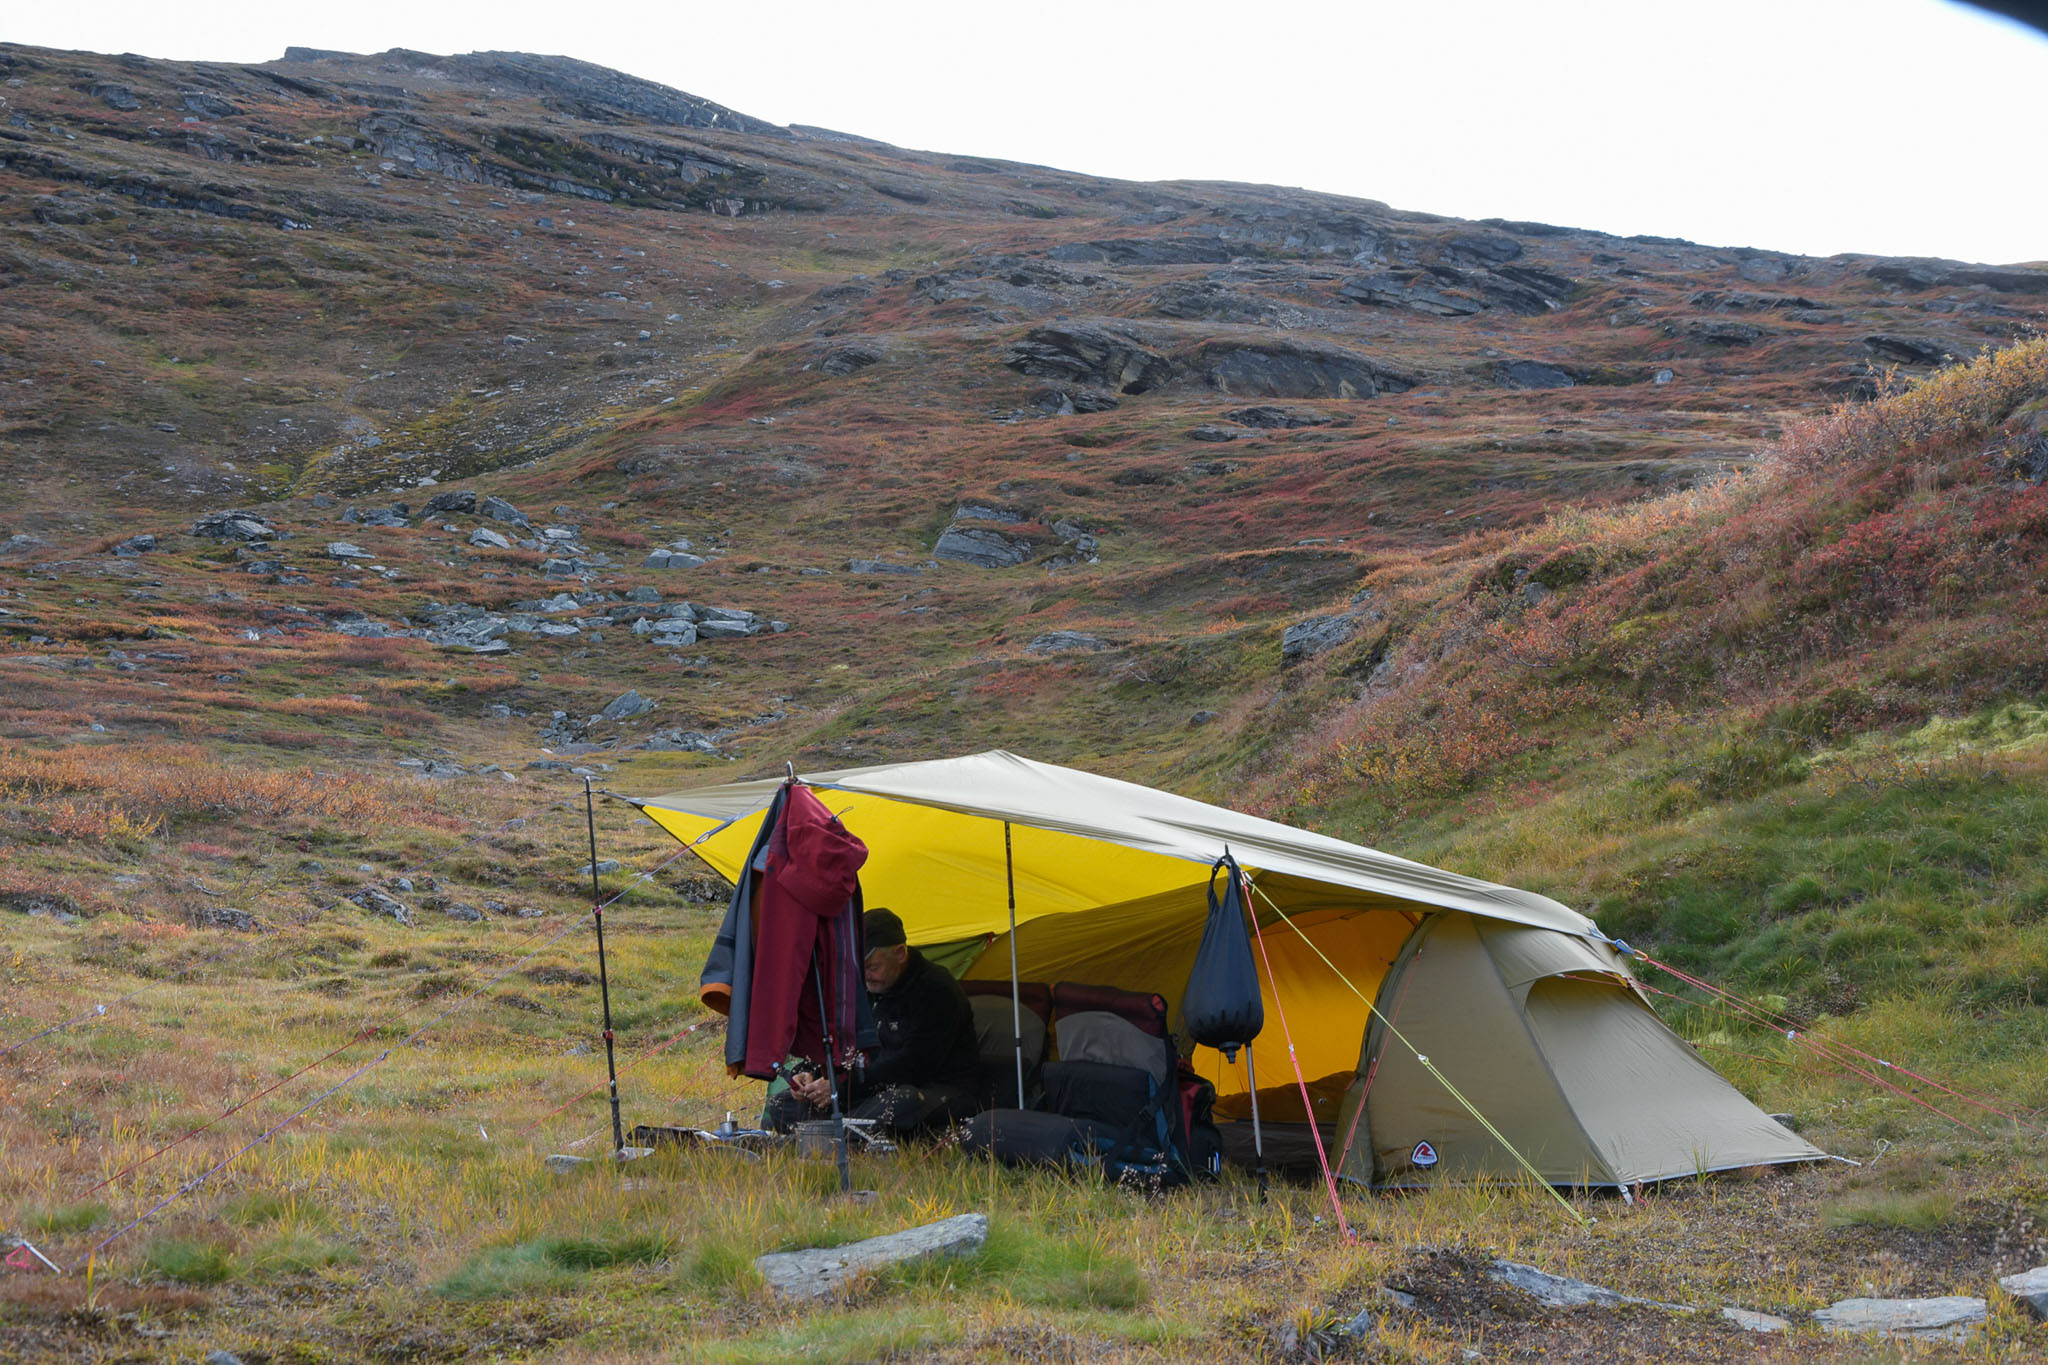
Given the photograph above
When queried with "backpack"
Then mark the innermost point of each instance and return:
(1118, 1100)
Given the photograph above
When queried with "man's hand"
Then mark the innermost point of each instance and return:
(815, 1091)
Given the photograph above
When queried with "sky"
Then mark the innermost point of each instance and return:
(1896, 127)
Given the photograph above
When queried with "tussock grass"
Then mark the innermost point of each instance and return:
(189, 1260)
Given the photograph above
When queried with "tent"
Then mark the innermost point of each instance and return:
(1516, 1002)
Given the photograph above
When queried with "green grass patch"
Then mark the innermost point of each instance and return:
(189, 1260)
(63, 1220)
(1922, 1212)
(549, 1264)
(299, 1253)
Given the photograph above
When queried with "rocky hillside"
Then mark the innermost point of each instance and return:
(571, 384)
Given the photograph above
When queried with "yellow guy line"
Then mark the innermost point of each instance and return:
(1426, 1064)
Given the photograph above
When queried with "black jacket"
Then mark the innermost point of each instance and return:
(926, 1029)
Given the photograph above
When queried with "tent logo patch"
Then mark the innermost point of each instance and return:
(1424, 1155)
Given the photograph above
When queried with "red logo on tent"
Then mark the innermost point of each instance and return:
(1424, 1155)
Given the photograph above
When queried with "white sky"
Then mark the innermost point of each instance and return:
(1905, 127)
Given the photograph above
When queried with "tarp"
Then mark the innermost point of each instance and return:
(935, 832)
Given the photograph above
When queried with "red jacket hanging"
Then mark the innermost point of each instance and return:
(807, 918)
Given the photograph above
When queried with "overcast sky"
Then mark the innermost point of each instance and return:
(1906, 127)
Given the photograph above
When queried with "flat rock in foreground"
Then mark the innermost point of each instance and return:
(2030, 1287)
(1950, 1318)
(820, 1271)
(1561, 1291)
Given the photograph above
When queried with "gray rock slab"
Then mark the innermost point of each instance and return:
(628, 703)
(879, 566)
(342, 549)
(497, 509)
(1751, 1321)
(1948, 1318)
(1060, 641)
(2030, 1287)
(980, 546)
(1316, 635)
(1561, 1291)
(821, 1271)
(483, 537)
(377, 903)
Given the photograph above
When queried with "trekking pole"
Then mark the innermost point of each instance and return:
(1258, 1140)
(832, 1078)
(604, 985)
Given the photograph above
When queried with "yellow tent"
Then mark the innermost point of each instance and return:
(1105, 882)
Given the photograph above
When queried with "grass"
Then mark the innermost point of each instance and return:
(189, 1260)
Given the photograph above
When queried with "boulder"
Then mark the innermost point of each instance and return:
(484, 538)
(447, 504)
(604, 867)
(672, 559)
(822, 1271)
(718, 630)
(674, 634)
(377, 903)
(135, 545)
(879, 566)
(225, 917)
(1949, 1318)
(1065, 402)
(628, 703)
(232, 525)
(1908, 350)
(1089, 355)
(1293, 369)
(468, 914)
(1212, 433)
(980, 544)
(342, 549)
(1750, 1321)
(1061, 641)
(21, 543)
(1316, 635)
(1272, 417)
(2030, 1287)
(497, 509)
(1531, 374)
(1414, 291)
(850, 356)
(643, 594)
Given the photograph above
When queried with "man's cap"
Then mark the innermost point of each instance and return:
(883, 929)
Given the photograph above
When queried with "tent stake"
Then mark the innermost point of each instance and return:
(1258, 1140)
(1016, 991)
(604, 984)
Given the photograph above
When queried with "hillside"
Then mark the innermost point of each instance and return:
(391, 441)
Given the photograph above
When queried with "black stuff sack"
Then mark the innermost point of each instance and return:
(1221, 1007)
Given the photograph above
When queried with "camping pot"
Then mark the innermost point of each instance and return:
(817, 1138)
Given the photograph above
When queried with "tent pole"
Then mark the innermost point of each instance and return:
(604, 984)
(1258, 1139)
(1016, 991)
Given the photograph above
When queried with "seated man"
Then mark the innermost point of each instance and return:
(926, 1068)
